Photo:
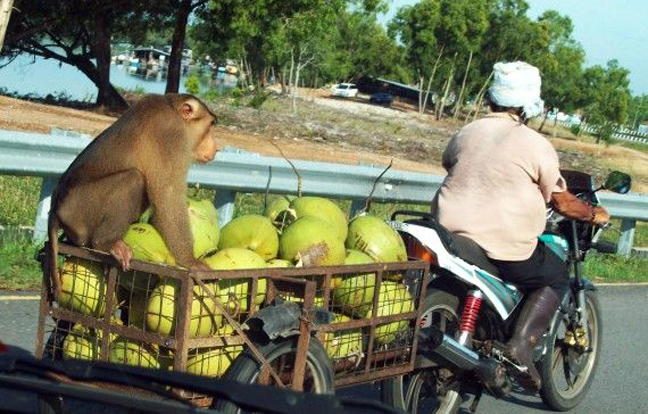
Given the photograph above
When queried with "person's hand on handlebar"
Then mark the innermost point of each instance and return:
(600, 215)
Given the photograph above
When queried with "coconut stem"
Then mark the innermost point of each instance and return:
(375, 183)
(299, 178)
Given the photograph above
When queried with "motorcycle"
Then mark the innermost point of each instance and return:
(470, 313)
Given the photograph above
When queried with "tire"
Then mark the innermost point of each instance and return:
(245, 368)
(565, 383)
(404, 392)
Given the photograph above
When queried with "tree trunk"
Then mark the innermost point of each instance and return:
(458, 103)
(175, 60)
(544, 119)
(292, 69)
(5, 12)
(480, 98)
(420, 95)
(294, 90)
(429, 86)
(284, 89)
(107, 95)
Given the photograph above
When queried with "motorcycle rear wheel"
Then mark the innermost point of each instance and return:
(566, 373)
(418, 392)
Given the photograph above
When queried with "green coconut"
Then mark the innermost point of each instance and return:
(372, 236)
(233, 293)
(161, 310)
(147, 244)
(212, 362)
(354, 295)
(342, 344)
(311, 241)
(353, 257)
(253, 232)
(203, 220)
(393, 299)
(279, 263)
(83, 287)
(321, 208)
(277, 205)
(132, 352)
(80, 343)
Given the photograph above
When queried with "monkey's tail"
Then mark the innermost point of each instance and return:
(51, 276)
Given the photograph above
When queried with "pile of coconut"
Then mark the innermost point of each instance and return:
(303, 231)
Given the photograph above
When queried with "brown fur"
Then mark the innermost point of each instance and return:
(140, 160)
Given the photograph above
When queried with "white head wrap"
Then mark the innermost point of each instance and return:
(517, 84)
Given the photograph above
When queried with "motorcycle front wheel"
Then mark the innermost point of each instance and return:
(428, 390)
(568, 367)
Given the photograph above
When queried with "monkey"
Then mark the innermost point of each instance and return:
(141, 160)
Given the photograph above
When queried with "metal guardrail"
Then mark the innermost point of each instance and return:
(233, 171)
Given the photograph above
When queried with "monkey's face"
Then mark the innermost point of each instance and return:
(206, 149)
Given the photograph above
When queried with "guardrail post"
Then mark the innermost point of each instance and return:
(627, 236)
(224, 202)
(42, 211)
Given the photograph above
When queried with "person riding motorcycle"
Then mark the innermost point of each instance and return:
(501, 175)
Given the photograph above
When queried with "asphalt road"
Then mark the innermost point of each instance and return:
(619, 387)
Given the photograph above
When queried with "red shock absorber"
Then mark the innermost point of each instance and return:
(470, 313)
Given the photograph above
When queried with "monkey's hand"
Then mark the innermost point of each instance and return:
(122, 253)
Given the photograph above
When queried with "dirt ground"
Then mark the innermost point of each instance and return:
(328, 129)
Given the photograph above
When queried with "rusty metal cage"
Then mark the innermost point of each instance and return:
(169, 318)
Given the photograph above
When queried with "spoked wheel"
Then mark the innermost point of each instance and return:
(319, 378)
(433, 389)
(568, 368)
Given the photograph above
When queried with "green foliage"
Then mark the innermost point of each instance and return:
(19, 200)
(192, 83)
(259, 97)
(638, 111)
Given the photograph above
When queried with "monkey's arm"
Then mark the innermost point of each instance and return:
(171, 218)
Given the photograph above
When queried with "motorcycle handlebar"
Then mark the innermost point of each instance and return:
(604, 246)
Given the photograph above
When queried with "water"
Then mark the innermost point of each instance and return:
(38, 76)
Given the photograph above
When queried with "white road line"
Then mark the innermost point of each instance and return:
(19, 298)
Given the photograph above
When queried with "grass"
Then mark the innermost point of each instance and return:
(18, 268)
(615, 269)
(18, 200)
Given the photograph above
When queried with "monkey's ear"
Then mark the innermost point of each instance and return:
(189, 109)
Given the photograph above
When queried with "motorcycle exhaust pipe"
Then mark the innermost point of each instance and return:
(432, 340)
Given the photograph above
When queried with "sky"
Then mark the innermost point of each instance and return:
(607, 29)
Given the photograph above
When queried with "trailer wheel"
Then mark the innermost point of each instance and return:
(280, 354)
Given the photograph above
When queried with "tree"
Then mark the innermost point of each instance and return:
(181, 9)
(562, 66)
(638, 111)
(77, 33)
(414, 26)
(605, 97)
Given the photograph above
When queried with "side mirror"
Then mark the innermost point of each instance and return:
(618, 182)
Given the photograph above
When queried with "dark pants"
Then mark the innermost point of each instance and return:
(543, 268)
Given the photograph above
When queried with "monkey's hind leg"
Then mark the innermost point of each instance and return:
(123, 201)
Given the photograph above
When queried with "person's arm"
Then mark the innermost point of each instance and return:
(571, 207)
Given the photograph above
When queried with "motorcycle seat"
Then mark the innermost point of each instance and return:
(460, 246)
(472, 253)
